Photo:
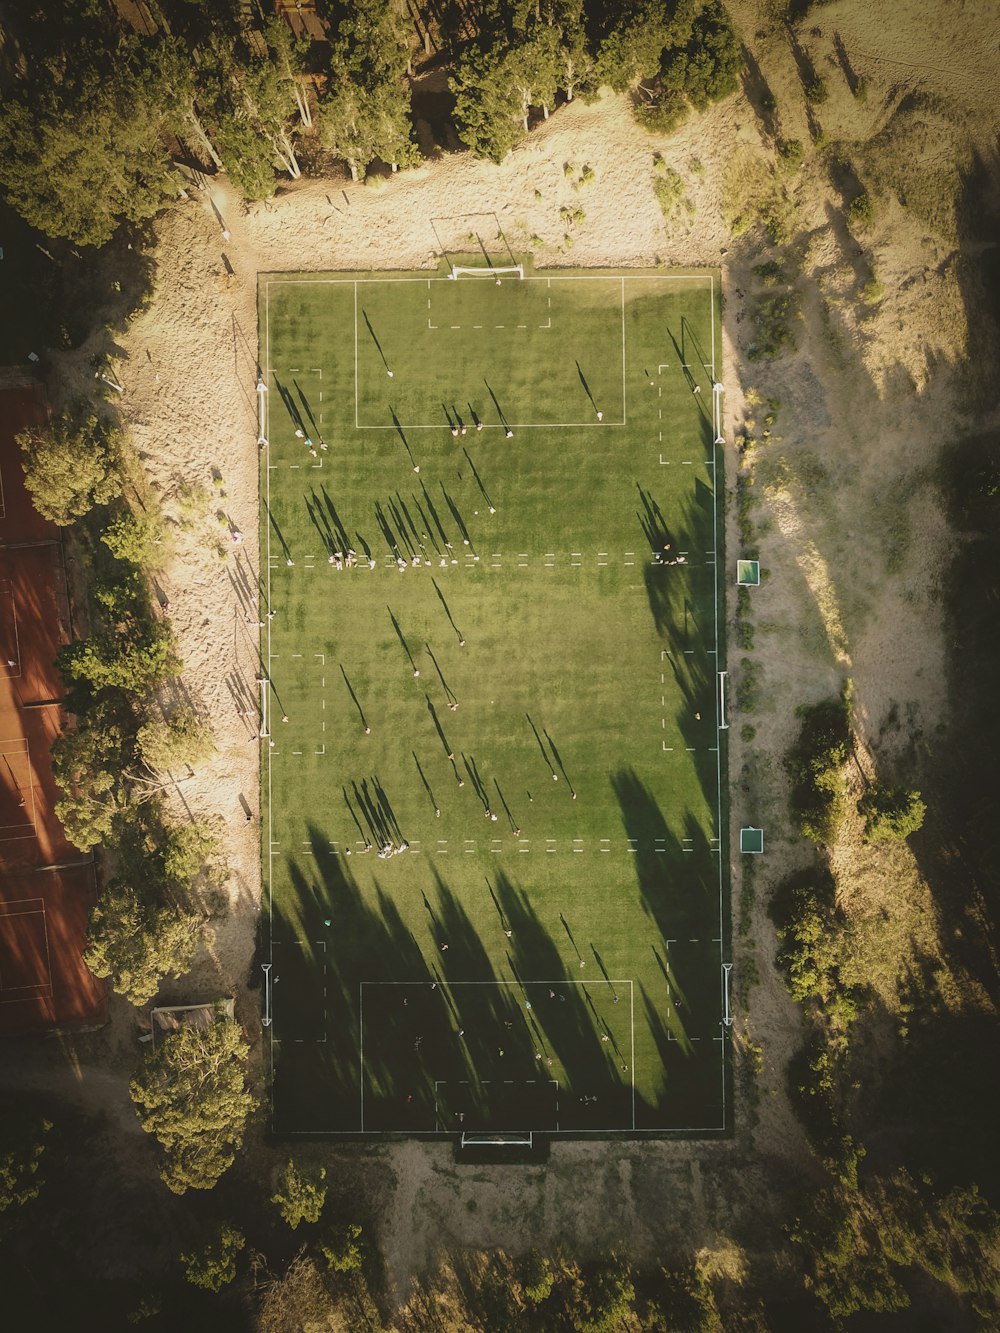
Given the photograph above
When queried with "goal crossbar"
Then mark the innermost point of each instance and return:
(496, 273)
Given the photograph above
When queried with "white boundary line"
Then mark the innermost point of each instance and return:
(718, 718)
(265, 459)
(538, 277)
(14, 674)
(548, 278)
(26, 831)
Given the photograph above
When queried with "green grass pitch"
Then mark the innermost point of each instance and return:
(491, 535)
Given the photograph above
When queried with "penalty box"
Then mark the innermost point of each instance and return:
(497, 1057)
(527, 352)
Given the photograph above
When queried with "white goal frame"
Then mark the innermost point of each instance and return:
(466, 271)
(498, 1140)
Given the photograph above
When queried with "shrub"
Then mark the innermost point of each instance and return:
(668, 187)
(770, 273)
(214, 1266)
(790, 152)
(817, 91)
(772, 317)
(344, 1254)
(891, 812)
(301, 1194)
(861, 210)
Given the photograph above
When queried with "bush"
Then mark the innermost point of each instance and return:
(668, 187)
(817, 91)
(23, 1144)
(861, 210)
(772, 317)
(810, 935)
(301, 1194)
(535, 1275)
(602, 1299)
(345, 1254)
(214, 1266)
(891, 812)
(790, 152)
(815, 763)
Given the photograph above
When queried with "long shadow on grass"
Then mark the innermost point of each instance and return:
(383, 1029)
(677, 872)
(691, 1058)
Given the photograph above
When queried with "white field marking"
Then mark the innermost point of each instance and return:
(624, 414)
(631, 1063)
(17, 644)
(397, 281)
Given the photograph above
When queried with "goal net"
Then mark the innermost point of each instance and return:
(464, 271)
(482, 1140)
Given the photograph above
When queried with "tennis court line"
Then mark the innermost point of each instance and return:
(38, 986)
(13, 672)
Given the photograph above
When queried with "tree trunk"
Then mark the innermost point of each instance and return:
(302, 101)
(286, 154)
(545, 112)
(202, 136)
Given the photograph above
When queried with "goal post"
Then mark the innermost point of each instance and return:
(495, 272)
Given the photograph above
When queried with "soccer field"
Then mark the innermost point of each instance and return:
(494, 778)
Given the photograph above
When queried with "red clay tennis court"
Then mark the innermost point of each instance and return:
(47, 887)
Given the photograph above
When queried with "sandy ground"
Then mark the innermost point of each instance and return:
(847, 516)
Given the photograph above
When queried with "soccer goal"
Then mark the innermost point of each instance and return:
(498, 273)
(474, 1140)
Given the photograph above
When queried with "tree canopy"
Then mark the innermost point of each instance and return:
(82, 133)
(71, 464)
(136, 943)
(191, 1095)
